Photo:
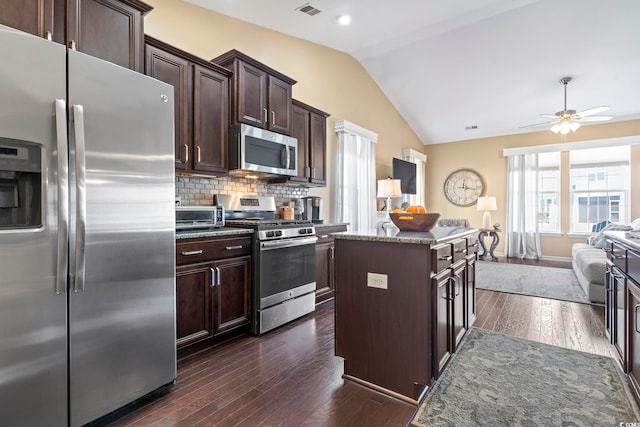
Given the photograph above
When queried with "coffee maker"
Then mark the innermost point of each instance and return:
(313, 209)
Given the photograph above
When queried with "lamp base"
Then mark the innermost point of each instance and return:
(486, 220)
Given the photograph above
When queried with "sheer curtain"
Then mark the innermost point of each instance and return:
(522, 237)
(355, 183)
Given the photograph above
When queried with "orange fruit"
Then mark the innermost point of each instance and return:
(416, 209)
(397, 210)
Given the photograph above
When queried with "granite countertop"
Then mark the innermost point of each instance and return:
(622, 236)
(216, 232)
(394, 235)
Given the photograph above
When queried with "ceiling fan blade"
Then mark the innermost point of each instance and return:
(592, 111)
(551, 116)
(593, 119)
(538, 124)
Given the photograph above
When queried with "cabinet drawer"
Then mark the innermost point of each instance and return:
(324, 232)
(618, 256)
(190, 252)
(633, 265)
(459, 248)
(472, 245)
(441, 257)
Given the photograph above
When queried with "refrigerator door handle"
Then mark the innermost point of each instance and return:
(63, 196)
(81, 197)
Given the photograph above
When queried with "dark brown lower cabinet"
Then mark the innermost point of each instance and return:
(443, 317)
(325, 261)
(213, 296)
(633, 362)
(470, 290)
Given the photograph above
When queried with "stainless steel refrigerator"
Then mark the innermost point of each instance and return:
(87, 249)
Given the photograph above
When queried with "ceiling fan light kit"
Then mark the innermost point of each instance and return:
(566, 120)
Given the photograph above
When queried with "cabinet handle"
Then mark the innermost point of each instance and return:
(198, 153)
(48, 35)
(266, 115)
(461, 251)
(273, 118)
(230, 248)
(72, 45)
(313, 173)
(452, 292)
(288, 154)
(332, 252)
(307, 172)
(187, 253)
(186, 153)
(635, 320)
(213, 277)
(446, 258)
(218, 272)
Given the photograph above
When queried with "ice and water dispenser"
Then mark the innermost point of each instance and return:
(20, 184)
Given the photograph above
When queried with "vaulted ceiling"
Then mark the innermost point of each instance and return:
(460, 69)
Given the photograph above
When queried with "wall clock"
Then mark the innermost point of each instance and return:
(463, 187)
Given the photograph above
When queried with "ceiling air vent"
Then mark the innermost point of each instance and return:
(308, 9)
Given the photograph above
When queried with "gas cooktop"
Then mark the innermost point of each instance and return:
(262, 222)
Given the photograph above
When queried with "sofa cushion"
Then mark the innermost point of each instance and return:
(592, 264)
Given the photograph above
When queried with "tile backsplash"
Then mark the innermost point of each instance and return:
(194, 190)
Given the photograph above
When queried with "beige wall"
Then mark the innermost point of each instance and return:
(327, 79)
(485, 156)
(336, 83)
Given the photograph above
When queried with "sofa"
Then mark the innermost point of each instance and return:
(589, 261)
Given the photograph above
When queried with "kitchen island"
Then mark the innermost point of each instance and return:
(403, 303)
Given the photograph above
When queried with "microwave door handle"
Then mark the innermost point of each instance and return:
(288, 157)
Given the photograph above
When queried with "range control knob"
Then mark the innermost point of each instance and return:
(270, 234)
(278, 233)
(303, 231)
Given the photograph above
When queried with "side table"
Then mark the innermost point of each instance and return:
(494, 242)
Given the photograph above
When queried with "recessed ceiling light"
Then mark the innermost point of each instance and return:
(344, 19)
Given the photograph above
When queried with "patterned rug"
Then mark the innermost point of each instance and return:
(497, 380)
(545, 282)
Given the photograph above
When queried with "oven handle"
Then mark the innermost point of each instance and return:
(287, 243)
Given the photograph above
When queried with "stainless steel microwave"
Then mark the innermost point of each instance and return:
(259, 152)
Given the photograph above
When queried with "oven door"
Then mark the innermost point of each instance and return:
(287, 269)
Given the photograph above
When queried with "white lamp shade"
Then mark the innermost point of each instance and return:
(389, 188)
(487, 203)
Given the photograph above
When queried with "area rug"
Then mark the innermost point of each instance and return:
(497, 380)
(545, 282)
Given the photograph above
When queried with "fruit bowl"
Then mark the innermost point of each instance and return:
(408, 221)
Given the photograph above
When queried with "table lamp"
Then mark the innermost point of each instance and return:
(487, 204)
(389, 188)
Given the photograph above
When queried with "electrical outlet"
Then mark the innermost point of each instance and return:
(375, 280)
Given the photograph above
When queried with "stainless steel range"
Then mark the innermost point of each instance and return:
(284, 260)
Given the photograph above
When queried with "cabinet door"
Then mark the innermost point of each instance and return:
(108, 29)
(609, 307)
(300, 130)
(279, 95)
(210, 120)
(318, 148)
(442, 321)
(458, 303)
(175, 71)
(31, 16)
(325, 265)
(232, 292)
(470, 292)
(619, 319)
(194, 321)
(633, 365)
(251, 95)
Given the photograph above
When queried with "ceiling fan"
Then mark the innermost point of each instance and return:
(566, 121)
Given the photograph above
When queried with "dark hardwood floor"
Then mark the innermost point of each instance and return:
(291, 377)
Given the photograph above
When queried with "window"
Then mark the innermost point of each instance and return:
(549, 192)
(599, 186)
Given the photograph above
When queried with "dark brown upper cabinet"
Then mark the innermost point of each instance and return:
(260, 95)
(112, 30)
(201, 94)
(309, 127)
